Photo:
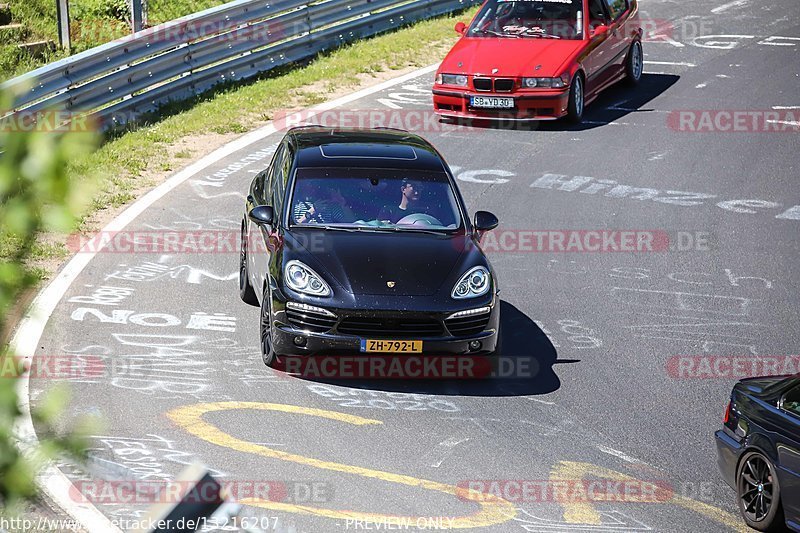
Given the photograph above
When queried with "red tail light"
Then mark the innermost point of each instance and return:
(727, 413)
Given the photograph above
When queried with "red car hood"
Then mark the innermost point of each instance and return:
(511, 57)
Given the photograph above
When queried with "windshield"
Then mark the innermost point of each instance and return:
(374, 199)
(542, 19)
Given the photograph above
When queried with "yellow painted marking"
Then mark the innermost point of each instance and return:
(585, 513)
(493, 510)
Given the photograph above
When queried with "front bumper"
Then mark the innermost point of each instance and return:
(543, 105)
(342, 333)
(728, 452)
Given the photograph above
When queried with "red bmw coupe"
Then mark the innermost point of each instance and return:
(539, 59)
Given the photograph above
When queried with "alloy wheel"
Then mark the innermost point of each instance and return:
(755, 488)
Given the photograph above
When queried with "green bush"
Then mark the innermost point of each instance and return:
(36, 195)
(84, 10)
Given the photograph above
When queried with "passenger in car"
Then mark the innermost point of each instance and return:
(332, 209)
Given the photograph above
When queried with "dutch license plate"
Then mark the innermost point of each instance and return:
(388, 346)
(491, 102)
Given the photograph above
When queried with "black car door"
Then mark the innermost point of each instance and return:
(788, 444)
(260, 236)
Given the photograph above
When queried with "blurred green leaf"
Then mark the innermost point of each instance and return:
(36, 196)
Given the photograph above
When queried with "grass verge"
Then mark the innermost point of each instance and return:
(92, 23)
(133, 162)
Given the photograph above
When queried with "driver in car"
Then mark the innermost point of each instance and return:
(409, 204)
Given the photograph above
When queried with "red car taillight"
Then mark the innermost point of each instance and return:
(727, 413)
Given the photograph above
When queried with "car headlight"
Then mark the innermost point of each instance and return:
(546, 83)
(301, 278)
(452, 79)
(474, 283)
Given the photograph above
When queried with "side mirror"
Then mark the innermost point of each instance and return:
(599, 30)
(485, 221)
(263, 215)
(461, 28)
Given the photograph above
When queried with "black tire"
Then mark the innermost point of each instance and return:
(634, 64)
(265, 330)
(576, 100)
(246, 292)
(759, 494)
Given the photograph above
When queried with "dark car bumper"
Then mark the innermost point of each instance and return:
(342, 330)
(545, 105)
(728, 452)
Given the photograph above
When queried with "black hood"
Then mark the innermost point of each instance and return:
(363, 263)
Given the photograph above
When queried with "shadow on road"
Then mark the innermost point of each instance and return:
(613, 104)
(523, 367)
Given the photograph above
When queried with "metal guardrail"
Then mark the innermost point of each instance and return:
(123, 79)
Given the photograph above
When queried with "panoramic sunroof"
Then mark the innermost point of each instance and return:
(368, 151)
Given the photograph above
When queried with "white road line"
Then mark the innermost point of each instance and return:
(537, 400)
(26, 339)
(786, 107)
(448, 446)
(617, 453)
(675, 63)
(796, 124)
(725, 7)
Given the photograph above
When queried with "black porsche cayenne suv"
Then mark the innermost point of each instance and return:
(359, 242)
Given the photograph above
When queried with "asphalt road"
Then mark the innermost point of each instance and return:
(604, 328)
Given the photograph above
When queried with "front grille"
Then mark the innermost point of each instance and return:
(482, 84)
(503, 85)
(400, 328)
(309, 320)
(468, 325)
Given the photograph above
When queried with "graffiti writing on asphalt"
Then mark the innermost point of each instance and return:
(149, 271)
(612, 189)
(411, 95)
(493, 509)
(213, 185)
(609, 520)
(141, 458)
(369, 399)
(197, 320)
(104, 295)
(578, 336)
(718, 310)
(187, 223)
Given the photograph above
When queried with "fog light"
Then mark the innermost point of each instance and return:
(300, 341)
(474, 345)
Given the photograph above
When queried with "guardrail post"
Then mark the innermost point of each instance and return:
(137, 15)
(62, 14)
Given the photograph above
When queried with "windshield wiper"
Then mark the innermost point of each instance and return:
(373, 229)
(497, 34)
(400, 229)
